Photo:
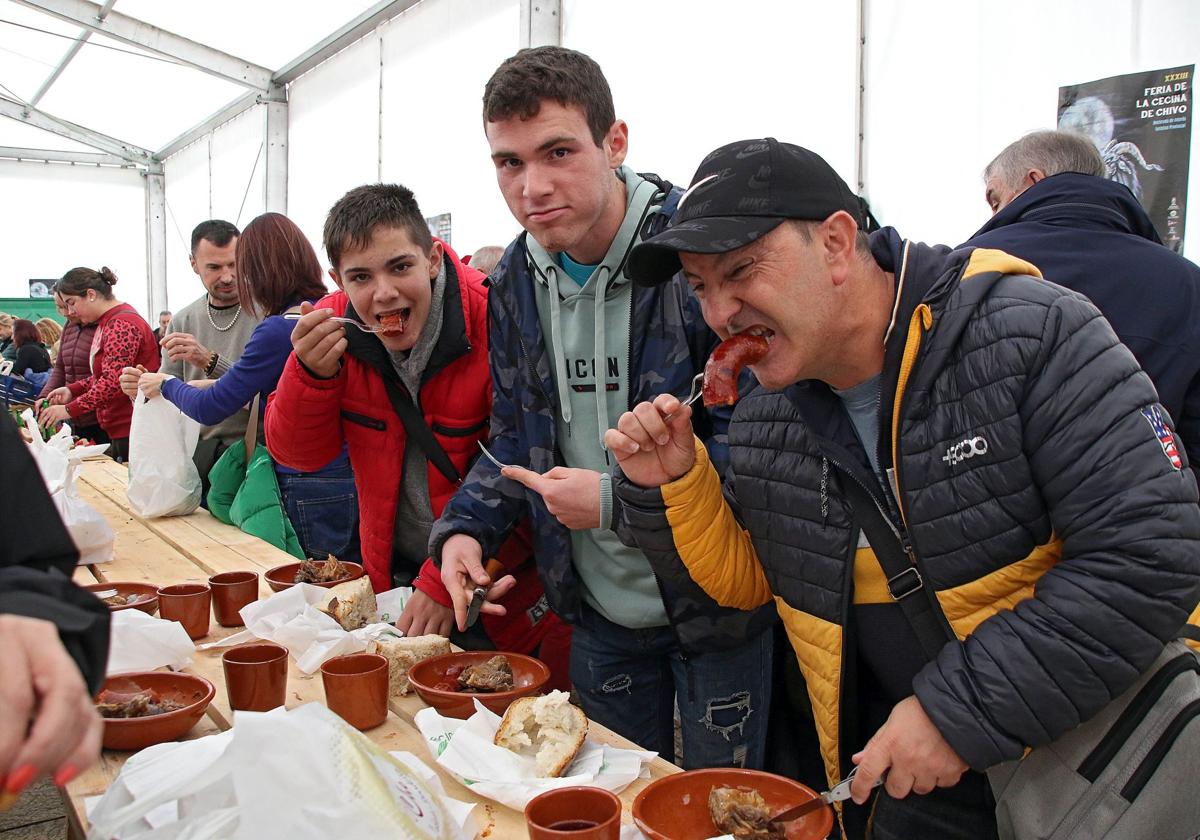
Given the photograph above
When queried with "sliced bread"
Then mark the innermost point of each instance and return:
(352, 604)
(548, 729)
(403, 652)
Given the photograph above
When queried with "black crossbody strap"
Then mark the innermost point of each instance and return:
(419, 431)
(904, 580)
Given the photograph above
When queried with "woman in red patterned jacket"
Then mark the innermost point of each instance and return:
(123, 338)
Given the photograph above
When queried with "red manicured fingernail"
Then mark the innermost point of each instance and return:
(19, 779)
(65, 774)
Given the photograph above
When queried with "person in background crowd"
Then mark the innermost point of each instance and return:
(573, 344)
(53, 634)
(50, 332)
(8, 350)
(164, 321)
(210, 334)
(487, 258)
(945, 408)
(1053, 206)
(33, 359)
(74, 363)
(122, 339)
(342, 387)
(277, 271)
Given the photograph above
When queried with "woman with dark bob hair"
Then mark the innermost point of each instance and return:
(28, 338)
(122, 339)
(277, 270)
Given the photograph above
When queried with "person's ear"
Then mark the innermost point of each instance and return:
(337, 278)
(838, 235)
(1034, 175)
(616, 144)
(435, 259)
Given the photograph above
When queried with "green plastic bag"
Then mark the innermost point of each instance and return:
(249, 498)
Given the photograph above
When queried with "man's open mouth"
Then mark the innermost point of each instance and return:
(395, 322)
(758, 329)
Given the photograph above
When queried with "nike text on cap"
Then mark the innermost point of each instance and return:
(740, 192)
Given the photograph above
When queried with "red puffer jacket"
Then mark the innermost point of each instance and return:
(122, 339)
(308, 419)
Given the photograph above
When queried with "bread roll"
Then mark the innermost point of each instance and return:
(548, 729)
(403, 652)
(352, 604)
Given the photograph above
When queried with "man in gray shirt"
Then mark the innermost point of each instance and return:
(207, 336)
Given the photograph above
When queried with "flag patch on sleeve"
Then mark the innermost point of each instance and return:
(1166, 438)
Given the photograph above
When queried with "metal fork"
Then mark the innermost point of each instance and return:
(296, 316)
(693, 395)
(499, 464)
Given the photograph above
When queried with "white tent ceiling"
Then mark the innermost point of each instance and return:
(132, 94)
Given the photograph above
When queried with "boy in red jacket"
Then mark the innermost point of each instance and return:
(410, 397)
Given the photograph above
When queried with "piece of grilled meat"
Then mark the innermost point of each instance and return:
(487, 677)
(742, 813)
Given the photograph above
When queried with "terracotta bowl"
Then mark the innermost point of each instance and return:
(284, 577)
(147, 593)
(140, 732)
(431, 681)
(676, 807)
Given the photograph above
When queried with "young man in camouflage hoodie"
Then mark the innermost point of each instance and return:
(573, 345)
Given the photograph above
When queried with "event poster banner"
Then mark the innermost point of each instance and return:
(1142, 125)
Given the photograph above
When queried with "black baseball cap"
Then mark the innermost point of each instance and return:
(742, 191)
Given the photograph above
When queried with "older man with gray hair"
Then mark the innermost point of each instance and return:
(1053, 208)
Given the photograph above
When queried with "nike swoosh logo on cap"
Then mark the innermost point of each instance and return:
(688, 194)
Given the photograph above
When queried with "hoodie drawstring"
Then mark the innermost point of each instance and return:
(560, 359)
(601, 359)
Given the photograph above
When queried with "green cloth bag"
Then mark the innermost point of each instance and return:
(247, 495)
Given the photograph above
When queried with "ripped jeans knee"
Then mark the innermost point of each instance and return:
(728, 715)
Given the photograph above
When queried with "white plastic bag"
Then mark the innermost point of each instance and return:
(298, 773)
(58, 463)
(163, 480)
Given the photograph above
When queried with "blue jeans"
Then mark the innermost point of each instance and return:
(630, 680)
(323, 508)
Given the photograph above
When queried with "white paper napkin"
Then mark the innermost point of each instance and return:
(465, 749)
(291, 618)
(141, 642)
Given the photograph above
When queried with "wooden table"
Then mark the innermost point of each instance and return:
(188, 549)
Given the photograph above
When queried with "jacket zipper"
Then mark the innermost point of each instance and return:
(1145, 771)
(1121, 731)
(901, 533)
(452, 431)
(364, 420)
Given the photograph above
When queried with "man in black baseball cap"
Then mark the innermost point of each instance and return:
(740, 192)
(922, 487)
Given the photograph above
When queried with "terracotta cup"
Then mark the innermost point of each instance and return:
(356, 688)
(574, 813)
(230, 592)
(256, 676)
(187, 603)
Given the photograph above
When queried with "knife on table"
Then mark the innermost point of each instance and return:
(837, 793)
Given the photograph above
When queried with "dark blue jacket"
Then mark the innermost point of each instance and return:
(669, 344)
(1093, 237)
